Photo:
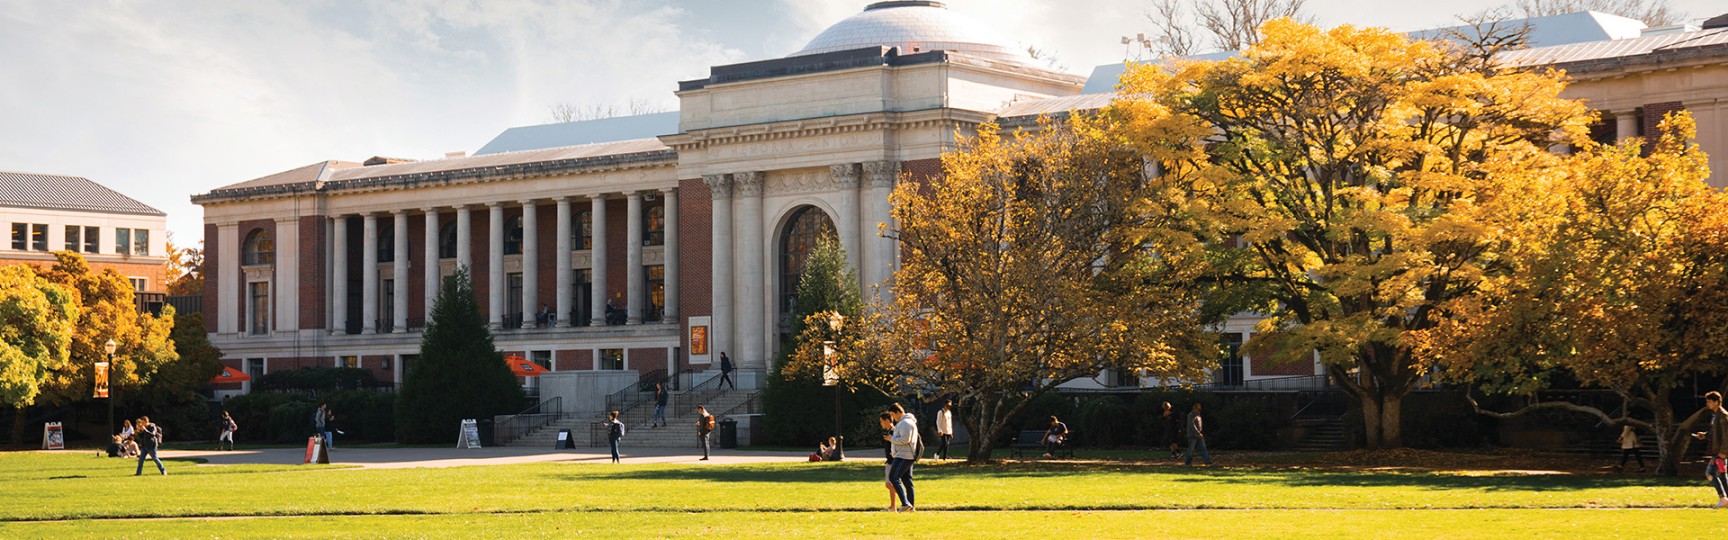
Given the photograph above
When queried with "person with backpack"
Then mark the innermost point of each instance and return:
(659, 418)
(1716, 437)
(149, 437)
(228, 429)
(704, 426)
(614, 432)
(907, 447)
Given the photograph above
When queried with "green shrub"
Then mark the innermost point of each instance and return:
(318, 379)
(253, 413)
(1103, 421)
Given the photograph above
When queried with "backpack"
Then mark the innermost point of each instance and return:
(616, 431)
(156, 434)
(708, 423)
(917, 445)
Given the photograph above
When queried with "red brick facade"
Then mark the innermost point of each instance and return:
(312, 276)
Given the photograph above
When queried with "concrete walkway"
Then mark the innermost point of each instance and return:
(397, 458)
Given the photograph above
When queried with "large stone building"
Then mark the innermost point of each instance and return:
(618, 247)
(45, 213)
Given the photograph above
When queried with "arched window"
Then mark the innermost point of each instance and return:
(513, 236)
(386, 241)
(260, 248)
(807, 224)
(582, 233)
(447, 241)
(654, 225)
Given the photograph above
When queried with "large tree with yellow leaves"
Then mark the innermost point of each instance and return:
(1347, 183)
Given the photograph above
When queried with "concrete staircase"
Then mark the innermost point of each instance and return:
(680, 431)
(1325, 434)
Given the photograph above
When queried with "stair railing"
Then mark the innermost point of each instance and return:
(515, 426)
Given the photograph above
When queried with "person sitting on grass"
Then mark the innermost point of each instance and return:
(1053, 437)
(128, 448)
(825, 450)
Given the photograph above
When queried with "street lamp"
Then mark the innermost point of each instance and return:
(831, 377)
(110, 346)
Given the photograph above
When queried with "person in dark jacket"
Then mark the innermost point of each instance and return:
(726, 372)
(1172, 430)
(1197, 437)
(1715, 468)
(660, 395)
(149, 437)
(614, 432)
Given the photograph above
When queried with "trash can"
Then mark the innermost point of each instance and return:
(485, 426)
(728, 433)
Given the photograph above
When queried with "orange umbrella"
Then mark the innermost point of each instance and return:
(231, 375)
(522, 367)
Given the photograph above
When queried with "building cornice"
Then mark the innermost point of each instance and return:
(797, 129)
(452, 177)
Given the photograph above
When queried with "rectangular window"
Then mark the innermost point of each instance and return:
(1230, 366)
(582, 292)
(387, 306)
(92, 239)
(140, 241)
(139, 284)
(544, 358)
(20, 236)
(122, 241)
(39, 236)
(255, 368)
(612, 359)
(348, 361)
(656, 292)
(259, 297)
(74, 237)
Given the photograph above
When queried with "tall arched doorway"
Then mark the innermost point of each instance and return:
(807, 224)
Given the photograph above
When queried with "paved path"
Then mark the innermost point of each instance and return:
(396, 458)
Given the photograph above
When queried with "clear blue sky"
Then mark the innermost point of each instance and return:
(165, 99)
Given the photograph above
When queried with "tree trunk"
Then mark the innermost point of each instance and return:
(18, 428)
(1671, 447)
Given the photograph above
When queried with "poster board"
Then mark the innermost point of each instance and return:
(564, 441)
(699, 332)
(469, 436)
(316, 451)
(52, 437)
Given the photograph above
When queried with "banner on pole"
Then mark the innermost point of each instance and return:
(101, 387)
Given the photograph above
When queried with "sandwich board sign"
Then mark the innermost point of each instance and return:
(316, 451)
(52, 437)
(469, 437)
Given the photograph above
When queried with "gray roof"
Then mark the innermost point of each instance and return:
(55, 192)
(1055, 106)
(621, 128)
(1579, 57)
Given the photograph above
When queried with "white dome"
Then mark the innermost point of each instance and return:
(914, 27)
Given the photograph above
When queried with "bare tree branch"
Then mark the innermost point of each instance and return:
(1653, 12)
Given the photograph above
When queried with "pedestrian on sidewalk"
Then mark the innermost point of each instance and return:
(321, 423)
(228, 429)
(704, 426)
(659, 418)
(1197, 437)
(726, 372)
(614, 432)
(1715, 469)
(149, 437)
(905, 442)
(1630, 446)
(944, 428)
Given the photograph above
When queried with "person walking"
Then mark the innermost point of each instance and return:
(660, 395)
(149, 437)
(1054, 436)
(726, 372)
(886, 420)
(1197, 437)
(905, 442)
(1630, 446)
(1715, 469)
(1171, 425)
(614, 432)
(228, 429)
(704, 427)
(320, 424)
(944, 428)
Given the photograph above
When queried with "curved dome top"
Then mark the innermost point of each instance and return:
(913, 26)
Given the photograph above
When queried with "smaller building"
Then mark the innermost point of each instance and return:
(44, 213)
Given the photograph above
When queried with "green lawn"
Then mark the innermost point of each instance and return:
(65, 495)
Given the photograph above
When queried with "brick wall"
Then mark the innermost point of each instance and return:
(646, 360)
(617, 276)
(1266, 368)
(313, 280)
(417, 240)
(212, 274)
(481, 232)
(695, 254)
(574, 360)
(546, 223)
(1653, 114)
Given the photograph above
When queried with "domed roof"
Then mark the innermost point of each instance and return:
(914, 27)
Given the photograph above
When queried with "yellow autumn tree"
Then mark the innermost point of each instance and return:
(106, 310)
(1033, 261)
(1347, 182)
(1620, 287)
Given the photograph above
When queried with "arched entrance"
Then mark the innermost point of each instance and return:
(806, 224)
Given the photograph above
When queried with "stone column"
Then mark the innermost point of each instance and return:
(847, 222)
(465, 240)
(399, 288)
(369, 274)
(434, 280)
(530, 263)
(1625, 124)
(720, 262)
(287, 282)
(750, 278)
(878, 257)
(562, 257)
(495, 268)
(670, 250)
(634, 282)
(597, 261)
(228, 292)
(339, 276)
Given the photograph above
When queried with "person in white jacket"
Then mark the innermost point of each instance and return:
(904, 443)
(944, 428)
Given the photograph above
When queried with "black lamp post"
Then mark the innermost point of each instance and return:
(110, 346)
(832, 378)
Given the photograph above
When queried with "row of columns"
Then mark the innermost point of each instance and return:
(496, 276)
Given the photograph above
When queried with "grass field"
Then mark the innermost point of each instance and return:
(64, 495)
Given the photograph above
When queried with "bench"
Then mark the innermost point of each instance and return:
(1034, 441)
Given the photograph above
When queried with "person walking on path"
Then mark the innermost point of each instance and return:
(887, 422)
(228, 429)
(1629, 446)
(1197, 437)
(149, 437)
(614, 432)
(1717, 437)
(905, 442)
(726, 372)
(659, 418)
(1172, 430)
(944, 428)
(704, 426)
(320, 424)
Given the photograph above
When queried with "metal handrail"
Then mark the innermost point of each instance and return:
(530, 419)
(751, 405)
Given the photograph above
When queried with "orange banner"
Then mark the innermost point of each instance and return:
(101, 386)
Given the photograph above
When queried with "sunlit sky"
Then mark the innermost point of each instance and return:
(165, 99)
